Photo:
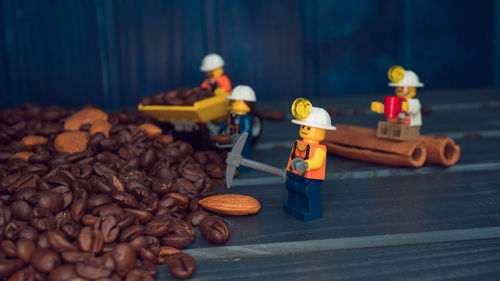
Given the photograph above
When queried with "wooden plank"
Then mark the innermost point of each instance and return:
(470, 260)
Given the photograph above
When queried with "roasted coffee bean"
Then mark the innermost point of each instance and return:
(49, 200)
(196, 217)
(92, 271)
(13, 228)
(179, 241)
(65, 193)
(21, 210)
(109, 210)
(8, 267)
(124, 199)
(90, 240)
(25, 249)
(25, 274)
(70, 228)
(157, 227)
(138, 243)
(148, 159)
(124, 257)
(38, 168)
(89, 220)
(63, 273)
(45, 260)
(75, 256)
(128, 220)
(143, 216)
(153, 244)
(109, 228)
(9, 248)
(139, 275)
(97, 200)
(214, 230)
(29, 233)
(131, 232)
(99, 186)
(58, 242)
(78, 209)
(25, 194)
(42, 219)
(181, 265)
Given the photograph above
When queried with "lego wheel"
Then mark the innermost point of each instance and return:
(257, 126)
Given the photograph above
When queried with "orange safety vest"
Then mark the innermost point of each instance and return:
(221, 82)
(305, 151)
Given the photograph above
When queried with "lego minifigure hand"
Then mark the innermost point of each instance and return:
(405, 106)
(377, 106)
(299, 165)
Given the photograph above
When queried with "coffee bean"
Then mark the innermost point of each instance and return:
(91, 270)
(49, 200)
(90, 240)
(45, 260)
(21, 210)
(9, 248)
(97, 200)
(8, 267)
(131, 233)
(58, 242)
(124, 199)
(25, 249)
(181, 265)
(42, 219)
(63, 273)
(214, 230)
(70, 228)
(65, 193)
(29, 233)
(108, 227)
(75, 256)
(78, 209)
(124, 257)
(196, 217)
(157, 227)
(138, 275)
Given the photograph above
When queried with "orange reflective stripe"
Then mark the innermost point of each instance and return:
(311, 174)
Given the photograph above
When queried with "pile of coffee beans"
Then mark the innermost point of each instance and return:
(181, 96)
(126, 201)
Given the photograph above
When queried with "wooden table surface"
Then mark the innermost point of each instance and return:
(379, 222)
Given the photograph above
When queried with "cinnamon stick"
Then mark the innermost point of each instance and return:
(362, 144)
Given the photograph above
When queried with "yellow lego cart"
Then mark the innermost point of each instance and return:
(209, 109)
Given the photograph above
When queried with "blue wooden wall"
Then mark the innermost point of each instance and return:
(112, 52)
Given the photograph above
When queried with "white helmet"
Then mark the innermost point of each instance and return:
(410, 79)
(317, 118)
(242, 92)
(211, 62)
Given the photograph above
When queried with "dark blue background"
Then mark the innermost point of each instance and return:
(110, 53)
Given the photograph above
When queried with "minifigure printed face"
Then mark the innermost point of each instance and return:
(406, 92)
(216, 73)
(311, 133)
(239, 107)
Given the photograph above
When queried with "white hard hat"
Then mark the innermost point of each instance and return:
(211, 62)
(410, 79)
(318, 118)
(242, 92)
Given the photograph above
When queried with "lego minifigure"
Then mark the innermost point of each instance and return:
(239, 119)
(403, 111)
(307, 162)
(216, 80)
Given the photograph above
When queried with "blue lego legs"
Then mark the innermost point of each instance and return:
(304, 197)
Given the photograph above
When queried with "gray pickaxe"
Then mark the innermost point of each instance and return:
(234, 160)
